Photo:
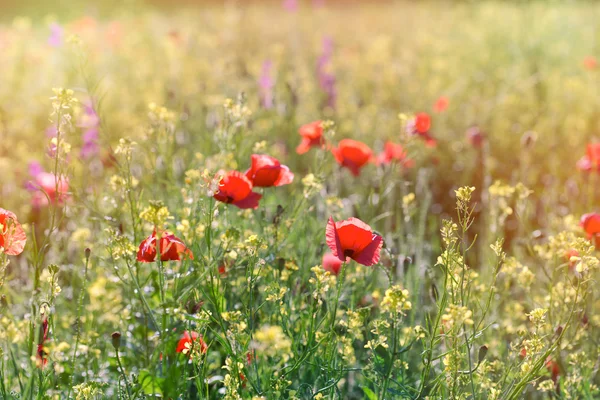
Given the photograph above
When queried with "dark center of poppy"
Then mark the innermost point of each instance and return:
(348, 253)
(229, 199)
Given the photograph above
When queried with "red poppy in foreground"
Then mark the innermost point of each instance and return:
(352, 154)
(189, 341)
(171, 248)
(312, 136)
(590, 62)
(236, 189)
(12, 235)
(420, 125)
(267, 171)
(355, 239)
(394, 153)
(591, 160)
(441, 104)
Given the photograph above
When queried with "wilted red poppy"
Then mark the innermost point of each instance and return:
(236, 189)
(441, 104)
(190, 340)
(394, 153)
(352, 154)
(312, 136)
(332, 263)
(420, 125)
(591, 225)
(355, 239)
(12, 235)
(267, 171)
(590, 62)
(42, 358)
(171, 248)
(475, 136)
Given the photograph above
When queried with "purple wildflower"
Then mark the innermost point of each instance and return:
(266, 84)
(326, 78)
(290, 5)
(56, 35)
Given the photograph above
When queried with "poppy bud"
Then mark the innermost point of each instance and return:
(482, 353)
(3, 301)
(87, 253)
(116, 340)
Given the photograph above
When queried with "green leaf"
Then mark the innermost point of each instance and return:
(369, 393)
(149, 383)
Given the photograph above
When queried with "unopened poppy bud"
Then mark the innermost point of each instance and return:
(482, 353)
(87, 252)
(434, 292)
(116, 340)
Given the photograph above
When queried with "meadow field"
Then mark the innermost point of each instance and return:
(300, 200)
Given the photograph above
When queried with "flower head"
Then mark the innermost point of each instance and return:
(12, 235)
(190, 343)
(394, 153)
(312, 136)
(352, 154)
(355, 239)
(49, 189)
(420, 125)
(591, 224)
(235, 188)
(441, 104)
(171, 248)
(590, 62)
(267, 171)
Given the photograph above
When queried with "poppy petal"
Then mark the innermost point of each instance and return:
(333, 240)
(285, 176)
(250, 201)
(370, 254)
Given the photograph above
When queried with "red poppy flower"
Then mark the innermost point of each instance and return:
(267, 171)
(441, 104)
(236, 189)
(420, 125)
(394, 153)
(49, 184)
(590, 62)
(12, 235)
(190, 340)
(591, 224)
(355, 239)
(171, 248)
(591, 160)
(312, 136)
(352, 154)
